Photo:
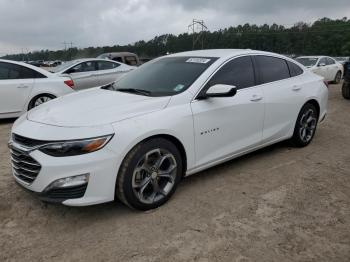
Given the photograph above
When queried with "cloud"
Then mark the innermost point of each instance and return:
(38, 24)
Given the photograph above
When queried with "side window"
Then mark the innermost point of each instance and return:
(130, 60)
(118, 59)
(239, 72)
(271, 69)
(322, 61)
(294, 69)
(330, 61)
(13, 71)
(105, 65)
(83, 67)
(9, 71)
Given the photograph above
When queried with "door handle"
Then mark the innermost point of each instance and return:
(22, 86)
(256, 98)
(296, 88)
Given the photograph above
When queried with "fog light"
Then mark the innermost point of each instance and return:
(72, 181)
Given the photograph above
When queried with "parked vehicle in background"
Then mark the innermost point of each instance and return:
(346, 84)
(92, 72)
(24, 86)
(342, 59)
(325, 66)
(122, 57)
(174, 116)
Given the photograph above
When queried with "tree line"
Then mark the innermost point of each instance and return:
(323, 37)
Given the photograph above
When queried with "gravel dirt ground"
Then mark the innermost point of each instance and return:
(277, 204)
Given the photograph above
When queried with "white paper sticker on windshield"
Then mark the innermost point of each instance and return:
(198, 60)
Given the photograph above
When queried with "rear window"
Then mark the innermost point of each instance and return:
(294, 69)
(13, 71)
(271, 69)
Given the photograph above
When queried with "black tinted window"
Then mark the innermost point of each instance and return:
(105, 65)
(12, 71)
(271, 68)
(238, 72)
(294, 69)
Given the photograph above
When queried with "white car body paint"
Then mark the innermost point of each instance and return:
(211, 131)
(16, 94)
(327, 71)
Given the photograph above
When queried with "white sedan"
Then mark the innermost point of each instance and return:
(23, 87)
(325, 66)
(87, 73)
(174, 116)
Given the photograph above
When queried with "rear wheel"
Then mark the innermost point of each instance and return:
(337, 78)
(305, 126)
(149, 174)
(346, 90)
(40, 99)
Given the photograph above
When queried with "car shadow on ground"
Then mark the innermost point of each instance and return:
(7, 121)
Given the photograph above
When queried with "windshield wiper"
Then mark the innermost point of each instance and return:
(134, 90)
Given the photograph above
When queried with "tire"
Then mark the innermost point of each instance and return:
(149, 174)
(305, 126)
(346, 90)
(40, 99)
(337, 78)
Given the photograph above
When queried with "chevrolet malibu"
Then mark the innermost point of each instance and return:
(135, 139)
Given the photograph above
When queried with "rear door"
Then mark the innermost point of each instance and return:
(322, 68)
(332, 68)
(84, 75)
(225, 126)
(282, 94)
(109, 72)
(16, 83)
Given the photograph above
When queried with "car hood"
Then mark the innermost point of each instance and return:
(95, 107)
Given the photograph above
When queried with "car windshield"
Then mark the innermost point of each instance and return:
(63, 67)
(164, 77)
(307, 61)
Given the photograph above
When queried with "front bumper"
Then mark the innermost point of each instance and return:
(102, 167)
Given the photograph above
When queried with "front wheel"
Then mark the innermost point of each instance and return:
(149, 174)
(40, 99)
(305, 127)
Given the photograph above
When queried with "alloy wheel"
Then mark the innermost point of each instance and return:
(41, 100)
(154, 176)
(307, 123)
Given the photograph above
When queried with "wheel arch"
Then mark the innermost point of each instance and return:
(179, 145)
(38, 95)
(316, 104)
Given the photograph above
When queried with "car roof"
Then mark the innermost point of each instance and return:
(35, 68)
(80, 60)
(225, 53)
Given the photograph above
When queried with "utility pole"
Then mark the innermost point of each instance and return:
(197, 28)
(70, 46)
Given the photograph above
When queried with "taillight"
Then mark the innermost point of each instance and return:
(326, 83)
(69, 83)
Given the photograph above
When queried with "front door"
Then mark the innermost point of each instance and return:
(225, 126)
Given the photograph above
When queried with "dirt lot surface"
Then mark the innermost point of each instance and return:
(278, 204)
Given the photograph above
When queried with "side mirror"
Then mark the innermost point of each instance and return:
(221, 91)
(321, 64)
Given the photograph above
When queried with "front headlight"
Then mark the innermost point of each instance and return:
(75, 147)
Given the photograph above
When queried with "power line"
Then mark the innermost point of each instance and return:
(197, 35)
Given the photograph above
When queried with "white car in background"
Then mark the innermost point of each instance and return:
(325, 66)
(87, 73)
(174, 116)
(23, 86)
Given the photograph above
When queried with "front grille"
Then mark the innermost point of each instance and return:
(24, 166)
(27, 142)
(61, 194)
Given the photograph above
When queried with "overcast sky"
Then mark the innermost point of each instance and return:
(37, 24)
